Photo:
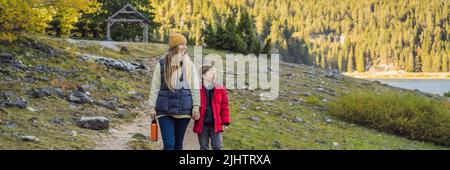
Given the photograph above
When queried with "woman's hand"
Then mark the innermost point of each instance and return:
(153, 114)
(196, 116)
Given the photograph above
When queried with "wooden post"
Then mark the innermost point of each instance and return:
(145, 32)
(108, 34)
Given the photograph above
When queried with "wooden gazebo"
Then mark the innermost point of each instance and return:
(130, 11)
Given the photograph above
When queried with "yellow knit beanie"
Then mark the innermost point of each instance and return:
(176, 39)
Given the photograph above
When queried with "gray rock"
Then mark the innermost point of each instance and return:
(254, 118)
(18, 102)
(291, 103)
(364, 83)
(88, 87)
(6, 95)
(80, 97)
(117, 64)
(57, 121)
(295, 92)
(29, 79)
(298, 120)
(335, 144)
(326, 90)
(45, 69)
(29, 138)
(289, 75)
(113, 131)
(277, 113)
(41, 68)
(74, 133)
(115, 99)
(73, 105)
(10, 124)
(122, 113)
(277, 145)
(335, 74)
(33, 121)
(306, 94)
(243, 107)
(94, 123)
(111, 105)
(320, 141)
(42, 47)
(328, 120)
(44, 79)
(138, 97)
(73, 98)
(38, 93)
(3, 103)
(124, 49)
(58, 92)
(10, 59)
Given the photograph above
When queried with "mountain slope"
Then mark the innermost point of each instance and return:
(40, 75)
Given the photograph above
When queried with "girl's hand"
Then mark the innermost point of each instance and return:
(196, 116)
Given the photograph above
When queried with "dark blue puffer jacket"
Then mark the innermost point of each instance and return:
(176, 102)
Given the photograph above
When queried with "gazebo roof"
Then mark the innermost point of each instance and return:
(129, 10)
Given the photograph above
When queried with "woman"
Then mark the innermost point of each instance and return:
(214, 111)
(174, 94)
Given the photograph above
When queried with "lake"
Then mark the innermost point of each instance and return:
(435, 86)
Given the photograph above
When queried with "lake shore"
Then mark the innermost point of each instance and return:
(399, 75)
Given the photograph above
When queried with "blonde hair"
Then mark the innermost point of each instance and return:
(170, 68)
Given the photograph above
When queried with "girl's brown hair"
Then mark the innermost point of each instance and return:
(206, 68)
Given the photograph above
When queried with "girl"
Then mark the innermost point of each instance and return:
(174, 94)
(214, 111)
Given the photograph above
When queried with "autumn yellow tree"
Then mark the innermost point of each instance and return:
(68, 12)
(17, 16)
(34, 16)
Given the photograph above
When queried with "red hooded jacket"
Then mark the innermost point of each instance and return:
(221, 110)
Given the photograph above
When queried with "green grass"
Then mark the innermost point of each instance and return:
(406, 114)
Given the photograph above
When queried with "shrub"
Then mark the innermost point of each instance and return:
(406, 114)
(447, 94)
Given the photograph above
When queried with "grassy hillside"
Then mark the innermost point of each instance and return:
(298, 119)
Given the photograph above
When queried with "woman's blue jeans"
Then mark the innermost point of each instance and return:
(172, 131)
